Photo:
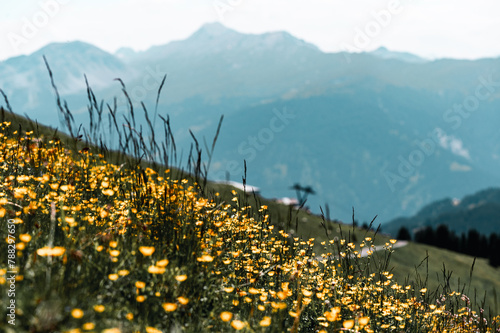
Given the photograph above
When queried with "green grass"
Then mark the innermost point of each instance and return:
(482, 283)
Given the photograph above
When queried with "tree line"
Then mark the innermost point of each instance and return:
(471, 243)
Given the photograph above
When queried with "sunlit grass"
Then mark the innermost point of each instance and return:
(112, 248)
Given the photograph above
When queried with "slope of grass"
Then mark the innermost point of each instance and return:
(449, 270)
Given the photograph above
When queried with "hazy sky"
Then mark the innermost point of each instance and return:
(430, 28)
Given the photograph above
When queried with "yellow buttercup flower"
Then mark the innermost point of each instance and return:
(226, 316)
(156, 270)
(333, 314)
(205, 258)
(147, 250)
(266, 321)
(162, 263)
(25, 238)
(181, 278)
(77, 313)
(99, 308)
(123, 272)
(364, 321)
(88, 326)
(237, 324)
(253, 291)
(70, 221)
(113, 277)
(183, 300)
(51, 251)
(108, 192)
(169, 307)
(348, 324)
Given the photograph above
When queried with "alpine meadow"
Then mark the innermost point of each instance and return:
(235, 166)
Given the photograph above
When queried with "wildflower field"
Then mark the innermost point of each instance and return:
(100, 241)
(90, 246)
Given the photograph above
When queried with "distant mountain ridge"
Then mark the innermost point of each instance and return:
(79, 57)
(479, 211)
(384, 53)
(214, 38)
(26, 82)
(355, 121)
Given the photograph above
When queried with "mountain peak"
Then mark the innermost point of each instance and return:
(73, 51)
(385, 53)
(214, 28)
(381, 49)
(74, 46)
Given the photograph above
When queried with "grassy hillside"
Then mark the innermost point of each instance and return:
(450, 270)
(124, 247)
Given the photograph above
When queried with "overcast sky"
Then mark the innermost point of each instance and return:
(429, 28)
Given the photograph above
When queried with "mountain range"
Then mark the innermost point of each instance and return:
(384, 132)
